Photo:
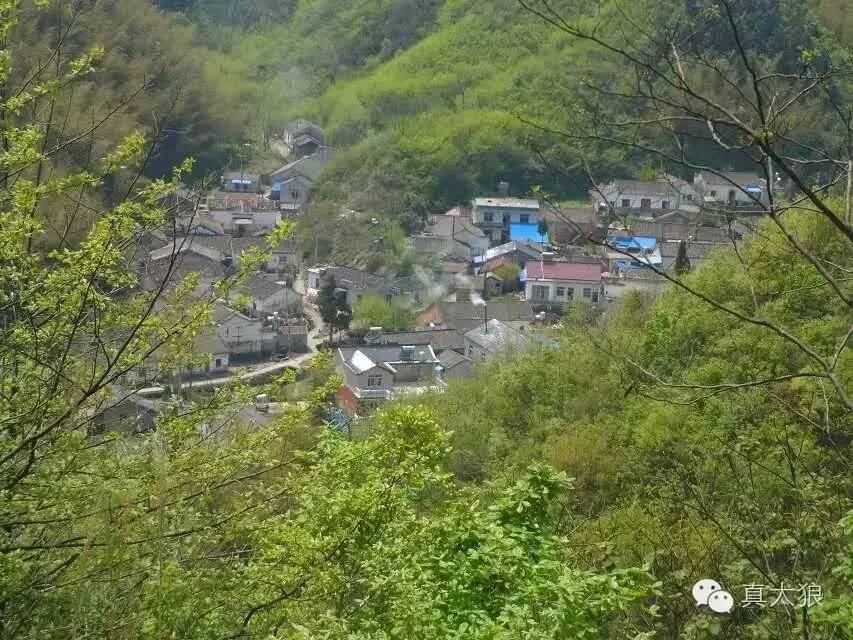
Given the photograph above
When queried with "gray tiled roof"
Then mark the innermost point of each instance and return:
(497, 337)
(438, 338)
(450, 358)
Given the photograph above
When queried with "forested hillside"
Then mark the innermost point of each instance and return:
(432, 101)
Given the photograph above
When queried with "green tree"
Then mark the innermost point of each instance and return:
(510, 274)
(374, 311)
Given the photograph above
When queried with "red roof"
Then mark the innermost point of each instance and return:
(577, 271)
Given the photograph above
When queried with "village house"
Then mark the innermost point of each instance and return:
(210, 355)
(303, 137)
(284, 259)
(239, 182)
(550, 284)
(175, 261)
(292, 183)
(267, 296)
(455, 365)
(485, 341)
(463, 316)
(652, 197)
(240, 333)
(737, 189)
(245, 221)
(451, 235)
(517, 252)
(373, 375)
(356, 282)
(439, 339)
(644, 281)
(248, 336)
(495, 215)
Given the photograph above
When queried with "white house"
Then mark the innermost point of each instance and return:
(558, 283)
(267, 296)
(664, 194)
(494, 215)
(240, 333)
(734, 188)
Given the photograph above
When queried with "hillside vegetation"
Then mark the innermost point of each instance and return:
(431, 101)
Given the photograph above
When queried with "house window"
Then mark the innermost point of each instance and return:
(219, 363)
(561, 292)
(646, 203)
(294, 195)
(626, 203)
(374, 382)
(570, 293)
(524, 218)
(470, 351)
(713, 193)
(483, 356)
(595, 296)
(689, 197)
(227, 331)
(540, 292)
(664, 204)
(488, 217)
(587, 293)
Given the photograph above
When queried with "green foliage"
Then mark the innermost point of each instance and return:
(374, 311)
(750, 485)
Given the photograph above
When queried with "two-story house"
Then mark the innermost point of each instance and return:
(495, 215)
(373, 374)
(551, 284)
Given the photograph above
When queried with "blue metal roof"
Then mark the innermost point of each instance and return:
(635, 242)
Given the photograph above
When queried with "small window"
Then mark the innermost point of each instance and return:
(664, 204)
(595, 296)
(374, 382)
(689, 197)
(470, 351)
(483, 356)
(587, 293)
(713, 193)
(524, 218)
(227, 331)
(561, 292)
(646, 203)
(219, 363)
(488, 217)
(626, 204)
(570, 293)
